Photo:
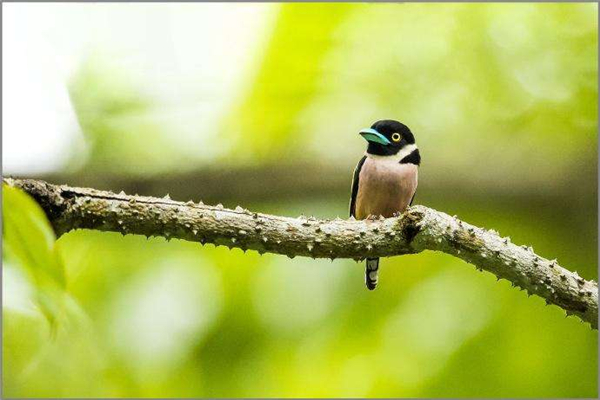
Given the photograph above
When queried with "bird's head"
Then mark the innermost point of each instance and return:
(387, 137)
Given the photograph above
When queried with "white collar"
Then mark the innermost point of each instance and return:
(406, 150)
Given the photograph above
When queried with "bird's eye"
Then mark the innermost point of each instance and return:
(396, 137)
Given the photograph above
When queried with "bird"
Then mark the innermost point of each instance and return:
(385, 179)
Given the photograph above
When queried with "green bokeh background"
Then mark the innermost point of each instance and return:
(502, 99)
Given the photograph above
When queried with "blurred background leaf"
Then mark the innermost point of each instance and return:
(28, 242)
(260, 105)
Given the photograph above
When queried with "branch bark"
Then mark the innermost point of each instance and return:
(419, 228)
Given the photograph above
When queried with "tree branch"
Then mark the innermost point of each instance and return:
(418, 229)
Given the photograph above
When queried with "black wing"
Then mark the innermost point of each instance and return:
(411, 200)
(412, 158)
(355, 186)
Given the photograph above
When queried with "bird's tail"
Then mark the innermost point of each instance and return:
(371, 273)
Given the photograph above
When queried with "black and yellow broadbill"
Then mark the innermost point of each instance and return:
(385, 179)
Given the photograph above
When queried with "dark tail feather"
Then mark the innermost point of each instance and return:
(371, 273)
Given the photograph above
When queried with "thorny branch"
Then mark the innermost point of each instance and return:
(418, 229)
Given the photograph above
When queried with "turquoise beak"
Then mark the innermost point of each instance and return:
(372, 135)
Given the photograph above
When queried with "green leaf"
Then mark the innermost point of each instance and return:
(29, 242)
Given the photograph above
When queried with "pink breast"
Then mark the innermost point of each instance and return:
(385, 188)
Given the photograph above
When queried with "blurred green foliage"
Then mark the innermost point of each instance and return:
(286, 82)
(28, 240)
(177, 319)
(116, 114)
(499, 74)
(498, 95)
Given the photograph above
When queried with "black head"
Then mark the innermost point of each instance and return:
(387, 137)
